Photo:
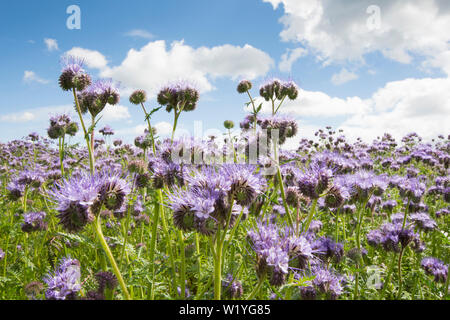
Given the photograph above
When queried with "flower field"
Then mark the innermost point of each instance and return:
(231, 217)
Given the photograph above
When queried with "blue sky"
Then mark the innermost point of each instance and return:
(392, 76)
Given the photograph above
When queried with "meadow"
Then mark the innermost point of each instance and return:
(229, 217)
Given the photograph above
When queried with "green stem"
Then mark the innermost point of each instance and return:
(169, 246)
(149, 128)
(98, 229)
(400, 282)
(388, 277)
(183, 264)
(280, 181)
(254, 111)
(199, 260)
(218, 267)
(447, 283)
(92, 155)
(86, 137)
(156, 215)
(312, 210)
(256, 290)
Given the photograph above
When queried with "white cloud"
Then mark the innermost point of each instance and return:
(17, 117)
(36, 114)
(163, 128)
(343, 76)
(31, 76)
(52, 44)
(317, 104)
(155, 64)
(115, 113)
(92, 58)
(139, 33)
(400, 107)
(440, 61)
(289, 57)
(336, 30)
(411, 105)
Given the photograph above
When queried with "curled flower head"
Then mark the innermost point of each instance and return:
(244, 86)
(181, 96)
(34, 221)
(436, 268)
(138, 97)
(73, 76)
(113, 190)
(77, 200)
(64, 284)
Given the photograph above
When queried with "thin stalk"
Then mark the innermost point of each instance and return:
(218, 267)
(280, 181)
(149, 127)
(92, 141)
(400, 282)
(197, 248)
(256, 290)
(447, 283)
(388, 277)
(104, 244)
(279, 106)
(312, 210)
(61, 154)
(156, 215)
(169, 247)
(254, 110)
(183, 264)
(77, 104)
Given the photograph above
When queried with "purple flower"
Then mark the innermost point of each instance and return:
(34, 221)
(106, 131)
(329, 249)
(328, 283)
(113, 190)
(423, 221)
(231, 287)
(64, 283)
(76, 198)
(245, 184)
(436, 268)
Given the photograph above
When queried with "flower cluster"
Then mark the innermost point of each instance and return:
(64, 283)
(275, 249)
(214, 197)
(61, 125)
(436, 268)
(82, 196)
(34, 221)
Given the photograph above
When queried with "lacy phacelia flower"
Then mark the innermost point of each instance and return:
(329, 249)
(34, 221)
(244, 86)
(181, 96)
(274, 250)
(392, 237)
(95, 97)
(231, 287)
(138, 97)
(436, 268)
(64, 284)
(77, 200)
(82, 196)
(73, 75)
(328, 283)
(106, 131)
(113, 190)
(279, 127)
